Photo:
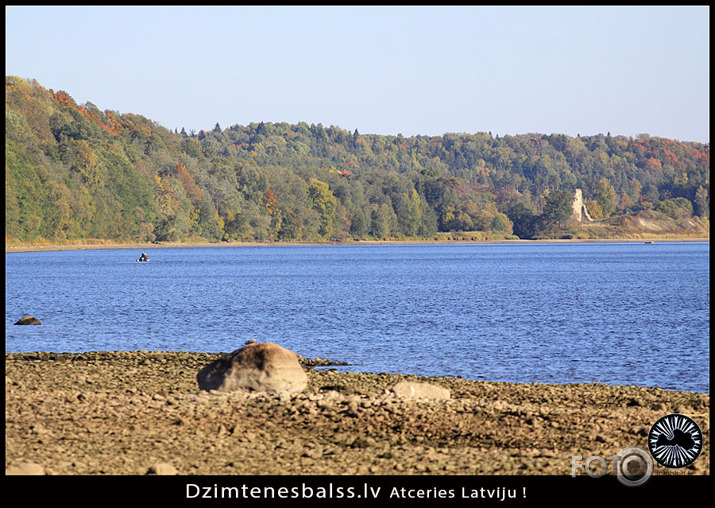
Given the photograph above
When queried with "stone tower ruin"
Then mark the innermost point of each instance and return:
(579, 208)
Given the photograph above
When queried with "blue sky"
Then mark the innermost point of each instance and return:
(381, 70)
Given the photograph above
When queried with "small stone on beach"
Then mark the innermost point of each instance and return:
(162, 469)
(414, 390)
(25, 469)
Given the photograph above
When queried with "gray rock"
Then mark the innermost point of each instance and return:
(414, 390)
(28, 320)
(263, 366)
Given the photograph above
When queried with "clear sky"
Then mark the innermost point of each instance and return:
(381, 70)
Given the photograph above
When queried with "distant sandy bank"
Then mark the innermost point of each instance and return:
(164, 245)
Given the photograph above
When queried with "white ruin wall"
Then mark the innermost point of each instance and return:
(579, 208)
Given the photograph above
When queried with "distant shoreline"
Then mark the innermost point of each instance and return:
(164, 245)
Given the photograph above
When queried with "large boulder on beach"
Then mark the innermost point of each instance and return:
(262, 366)
(415, 390)
(28, 320)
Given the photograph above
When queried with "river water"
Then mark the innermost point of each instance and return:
(614, 313)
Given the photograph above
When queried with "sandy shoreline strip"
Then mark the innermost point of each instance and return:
(163, 245)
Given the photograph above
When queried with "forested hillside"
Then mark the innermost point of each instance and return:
(75, 172)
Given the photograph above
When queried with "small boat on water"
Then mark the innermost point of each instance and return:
(649, 242)
(143, 257)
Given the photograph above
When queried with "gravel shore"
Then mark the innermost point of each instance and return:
(133, 413)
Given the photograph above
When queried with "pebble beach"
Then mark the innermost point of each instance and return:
(141, 412)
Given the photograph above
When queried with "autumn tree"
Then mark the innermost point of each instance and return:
(605, 196)
(384, 220)
(624, 201)
(87, 162)
(193, 192)
(324, 203)
(594, 209)
(270, 203)
(502, 224)
(409, 212)
(523, 218)
(702, 203)
(558, 208)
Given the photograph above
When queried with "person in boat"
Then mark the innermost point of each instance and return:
(143, 257)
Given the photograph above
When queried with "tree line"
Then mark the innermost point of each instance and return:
(74, 172)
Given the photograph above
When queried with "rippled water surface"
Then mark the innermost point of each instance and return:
(616, 313)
